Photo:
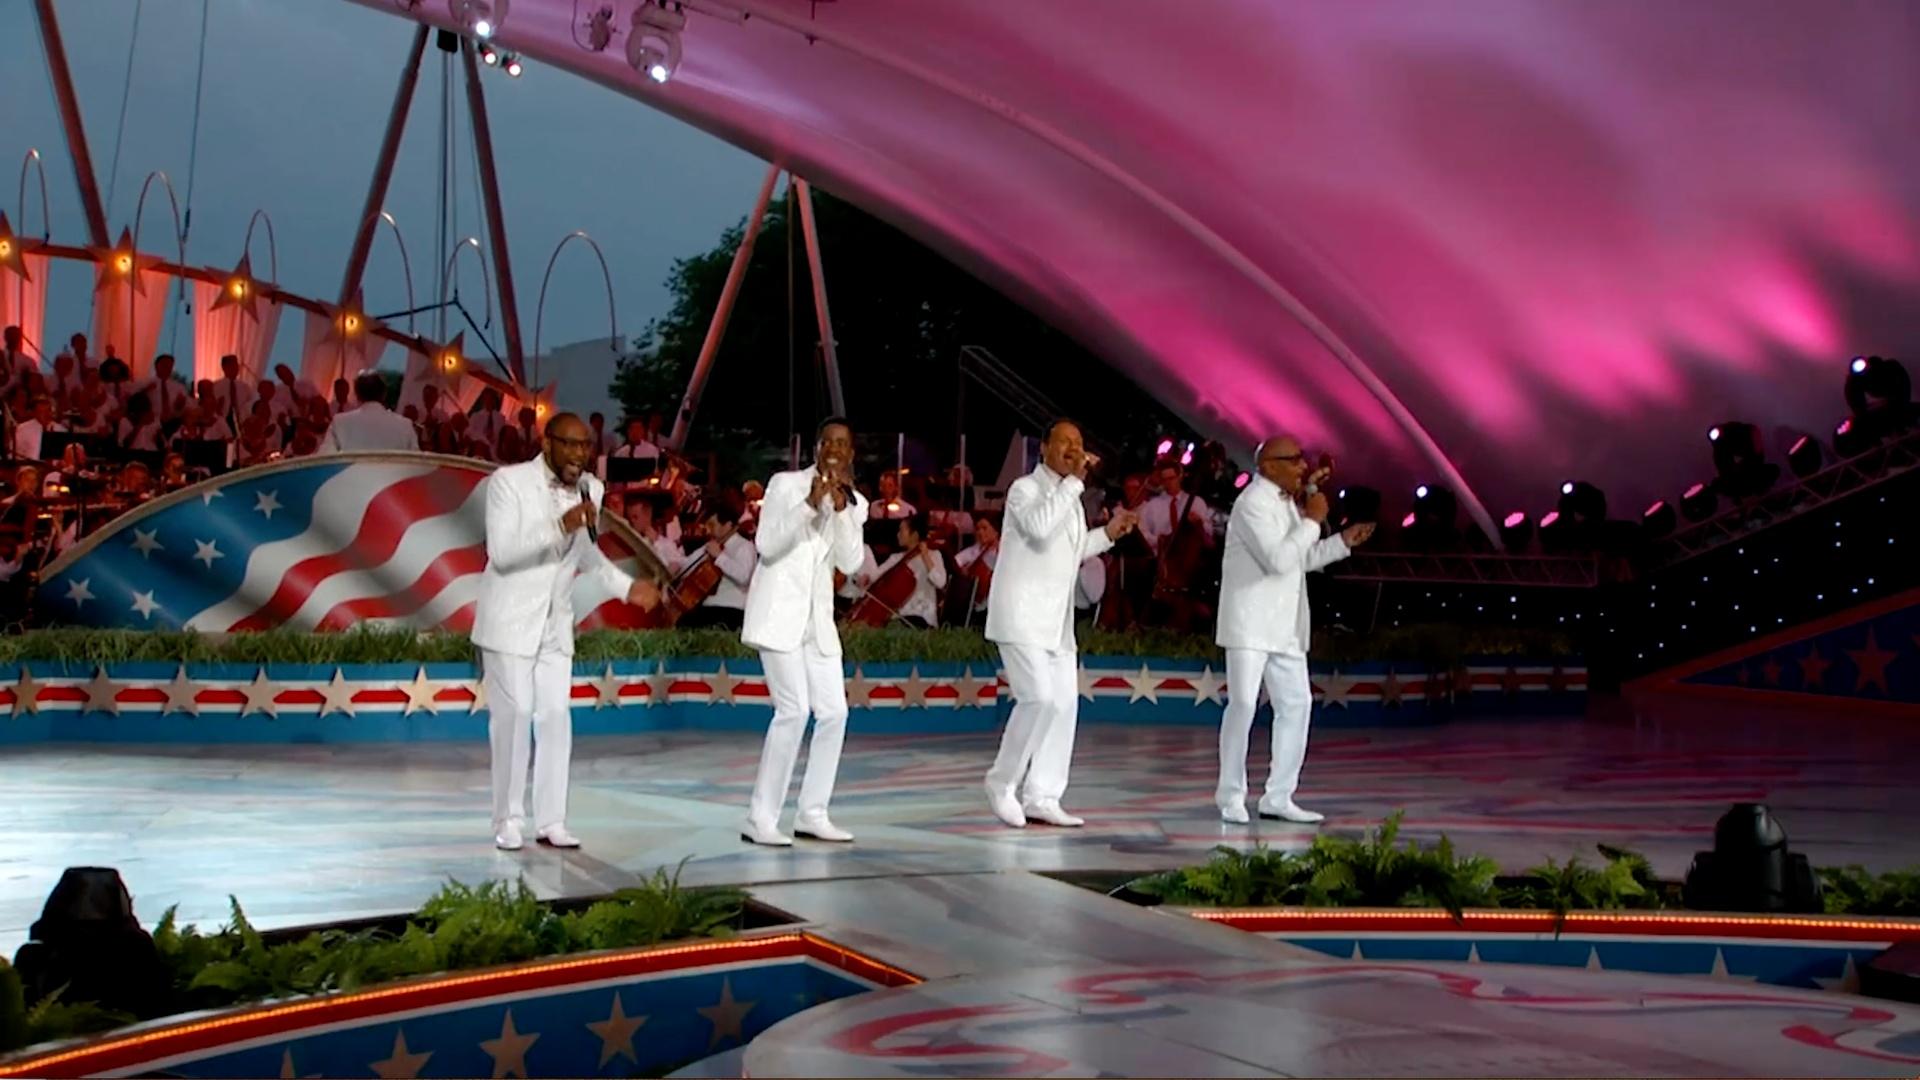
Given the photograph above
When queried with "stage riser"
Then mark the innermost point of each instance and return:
(416, 702)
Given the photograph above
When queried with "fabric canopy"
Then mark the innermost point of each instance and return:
(1530, 240)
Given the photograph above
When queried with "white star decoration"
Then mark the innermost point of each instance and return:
(860, 688)
(1143, 685)
(207, 496)
(265, 503)
(606, 688)
(726, 1015)
(422, 694)
(78, 592)
(509, 1051)
(1207, 686)
(913, 688)
(721, 686)
(206, 551)
(1088, 677)
(616, 1033)
(103, 694)
(146, 542)
(26, 693)
(659, 686)
(402, 1064)
(261, 694)
(1336, 689)
(182, 694)
(144, 604)
(336, 695)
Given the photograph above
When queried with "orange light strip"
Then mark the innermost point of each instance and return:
(1599, 920)
(429, 988)
(849, 958)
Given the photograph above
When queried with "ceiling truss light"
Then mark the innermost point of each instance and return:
(481, 18)
(653, 44)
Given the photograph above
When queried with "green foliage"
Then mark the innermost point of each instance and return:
(52, 1019)
(13, 1009)
(1851, 890)
(85, 648)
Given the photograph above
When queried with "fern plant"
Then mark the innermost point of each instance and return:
(1852, 890)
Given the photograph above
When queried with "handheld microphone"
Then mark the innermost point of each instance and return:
(586, 496)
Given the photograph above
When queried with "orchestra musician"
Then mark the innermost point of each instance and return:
(810, 526)
(1030, 616)
(733, 556)
(1178, 525)
(928, 571)
(976, 565)
(1272, 544)
(889, 504)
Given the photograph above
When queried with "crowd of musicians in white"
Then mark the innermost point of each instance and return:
(809, 542)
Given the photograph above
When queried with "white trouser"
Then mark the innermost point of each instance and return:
(802, 681)
(1038, 742)
(1292, 695)
(530, 699)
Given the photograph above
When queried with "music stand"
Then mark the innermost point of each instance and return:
(207, 454)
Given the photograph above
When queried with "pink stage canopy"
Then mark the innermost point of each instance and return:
(1525, 239)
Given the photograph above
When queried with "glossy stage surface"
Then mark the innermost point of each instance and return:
(934, 885)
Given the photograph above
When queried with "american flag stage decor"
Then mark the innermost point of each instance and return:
(319, 543)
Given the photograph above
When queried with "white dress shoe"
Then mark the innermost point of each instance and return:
(818, 827)
(1234, 815)
(558, 836)
(754, 832)
(1006, 808)
(1291, 812)
(1048, 812)
(508, 838)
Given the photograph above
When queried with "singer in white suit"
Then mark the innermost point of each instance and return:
(810, 526)
(540, 535)
(1044, 538)
(1265, 625)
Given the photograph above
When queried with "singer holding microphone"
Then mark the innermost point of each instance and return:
(1272, 544)
(541, 533)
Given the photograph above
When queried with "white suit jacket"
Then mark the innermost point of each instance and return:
(528, 581)
(370, 427)
(1263, 587)
(1043, 540)
(800, 547)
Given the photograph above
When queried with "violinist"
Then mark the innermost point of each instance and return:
(1179, 525)
(733, 555)
(921, 610)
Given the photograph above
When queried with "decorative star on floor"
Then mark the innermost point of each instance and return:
(606, 688)
(265, 503)
(422, 693)
(335, 695)
(913, 688)
(212, 493)
(1593, 959)
(1847, 982)
(144, 604)
(402, 1065)
(860, 688)
(659, 686)
(509, 1051)
(726, 1015)
(616, 1033)
(26, 693)
(1208, 687)
(1088, 678)
(182, 694)
(288, 1072)
(261, 694)
(1870, 664)
(1143, 685)
(1337, 689)
(78, 591)
(1813, 669)
(720, 686)
(1392, 691)
(206, 551)
(1720, 971)
(103, 694)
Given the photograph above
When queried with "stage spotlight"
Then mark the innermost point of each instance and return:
(1803, 457)
(1879, 395)
(1658, 520)
(512, 66)
(481, 18)
(89, 942)
(1740, 461)
(1516, 532)
(1434, 511)
(1241, 480)
(1355, 505)
(1852, 438)
(653, 43)
(1750, 868)
(1699, 502)
(1556, 533)
(1582, 504)
(1408, 521)
(489, 56)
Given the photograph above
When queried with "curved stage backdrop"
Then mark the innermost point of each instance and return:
(317, 543)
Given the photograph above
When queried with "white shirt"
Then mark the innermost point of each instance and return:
(924, 603)
(892, 509)
(169, 395)
(371, 426)
(1158, 514)
(147, 438)
(28, 435)
(669, 554)
(736, 561)
(857, 582)
(966, 559)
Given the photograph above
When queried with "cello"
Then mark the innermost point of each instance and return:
(880, 602)
(1177, 581)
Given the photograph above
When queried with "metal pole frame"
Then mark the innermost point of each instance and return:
(717, 329)
(62, 76)
(835, 396)
(383, 169)
(496, 220)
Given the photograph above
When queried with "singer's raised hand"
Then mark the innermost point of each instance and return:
(577, 517)
(1316, 506)
(1355, 535)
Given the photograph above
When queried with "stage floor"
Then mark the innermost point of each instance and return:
(309, 834)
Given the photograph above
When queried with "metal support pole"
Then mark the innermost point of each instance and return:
(717, 329)
(383, 169)
(70, 118)
(835, 396)
(496, 221)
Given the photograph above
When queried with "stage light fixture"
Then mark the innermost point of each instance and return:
(1163, 449)
(489, 56)
(513, 66)
(1408, 521)
(1740, 461)
(1434, 511)
(1750, 868)
(481, 18)
(1658, 520)
(1852, 438)
(1516, 532)
(1879, 395)
(1355, 505)
(1699, 502)
(653, 41)
(1803, 457)
(1555, 532)
(1241, 480)
(1420, 492)
(1582, 504)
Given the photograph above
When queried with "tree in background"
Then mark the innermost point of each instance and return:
(901, 314)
